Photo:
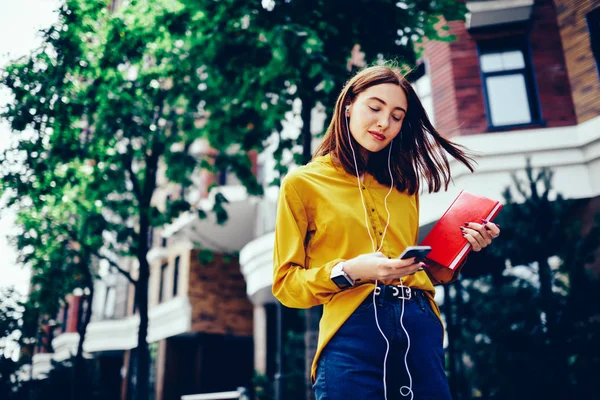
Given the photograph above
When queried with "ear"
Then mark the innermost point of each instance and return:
(347, 110)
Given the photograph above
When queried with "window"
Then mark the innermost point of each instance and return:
(175, 276)
(593, 21)
(421, 82)
(167, 209)
(508, 84)
(163, 276)
(65, 317)
(150, 238)
(110, 302)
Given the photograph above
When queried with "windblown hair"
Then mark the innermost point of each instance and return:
(419, 151)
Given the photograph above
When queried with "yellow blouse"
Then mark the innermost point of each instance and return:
(320, 222)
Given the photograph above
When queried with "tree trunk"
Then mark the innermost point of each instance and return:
(557, 342)
(81, 377)
(143, 353)
(141, 288)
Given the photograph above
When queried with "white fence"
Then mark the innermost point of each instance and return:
(239, 394)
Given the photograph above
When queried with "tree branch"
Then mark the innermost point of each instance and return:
(116, 266)
(132, 177)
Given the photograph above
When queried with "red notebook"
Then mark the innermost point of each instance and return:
(448, 246)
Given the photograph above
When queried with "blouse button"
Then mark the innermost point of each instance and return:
(363, 188)
(372, 210)
(380, 233)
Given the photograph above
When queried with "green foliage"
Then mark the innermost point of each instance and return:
(263, 387)
(294, 359)
(17, 330)
(205, 256)
(255, 60)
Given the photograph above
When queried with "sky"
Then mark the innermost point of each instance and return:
(20, 21)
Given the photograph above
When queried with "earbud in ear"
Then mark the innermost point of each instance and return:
(347, 111)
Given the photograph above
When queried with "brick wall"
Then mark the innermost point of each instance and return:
(582, 69)
(217, 292)
(74, 306)
(457, 87)
(551, 75)
(442, 85)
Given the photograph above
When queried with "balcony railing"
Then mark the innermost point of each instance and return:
(239, 394)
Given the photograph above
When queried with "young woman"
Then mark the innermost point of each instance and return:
(342, 222)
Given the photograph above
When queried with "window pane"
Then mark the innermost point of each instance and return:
(513, 60)
(163, 276)
(423, 86)
(111, 297)
(505, 61)
(176, 276)
(508, 101)
(428, 106)
(491, 62)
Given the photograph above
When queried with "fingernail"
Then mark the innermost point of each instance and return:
(464, 234)
(462, 228)
(425, 265)
(484, 221)
(466, 224)
(498, 225)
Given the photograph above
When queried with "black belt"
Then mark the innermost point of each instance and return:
(397, 292)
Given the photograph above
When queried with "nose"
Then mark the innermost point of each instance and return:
(383, 123)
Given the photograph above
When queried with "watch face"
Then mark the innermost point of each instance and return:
(341, 281)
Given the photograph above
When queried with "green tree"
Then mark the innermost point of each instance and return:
(256, 61)
(121, 93)
(60, 239)
(17, 333)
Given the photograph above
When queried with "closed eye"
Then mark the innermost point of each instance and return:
(397, 119)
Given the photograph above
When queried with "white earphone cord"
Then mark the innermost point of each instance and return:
(404, 390)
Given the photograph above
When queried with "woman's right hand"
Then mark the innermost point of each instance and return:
(377, 267)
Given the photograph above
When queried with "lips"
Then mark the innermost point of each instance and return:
(377, 135)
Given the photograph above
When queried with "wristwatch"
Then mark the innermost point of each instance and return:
(340, 277)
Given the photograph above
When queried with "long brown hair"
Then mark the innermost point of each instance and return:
(418, 151)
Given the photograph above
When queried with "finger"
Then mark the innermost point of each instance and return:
(413, 269)
(474, 243)
(404, 267)
(485, 234)
(494, 229)
(401, 263)
(482, 241)
(484, 231)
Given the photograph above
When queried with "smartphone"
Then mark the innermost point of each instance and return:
(418, 252)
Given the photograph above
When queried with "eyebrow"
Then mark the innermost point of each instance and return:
(384, 103)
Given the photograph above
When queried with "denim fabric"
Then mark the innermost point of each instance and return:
(351, 365)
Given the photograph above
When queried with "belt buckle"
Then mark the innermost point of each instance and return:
(402, 292)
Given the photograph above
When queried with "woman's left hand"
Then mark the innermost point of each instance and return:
(480, 235)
